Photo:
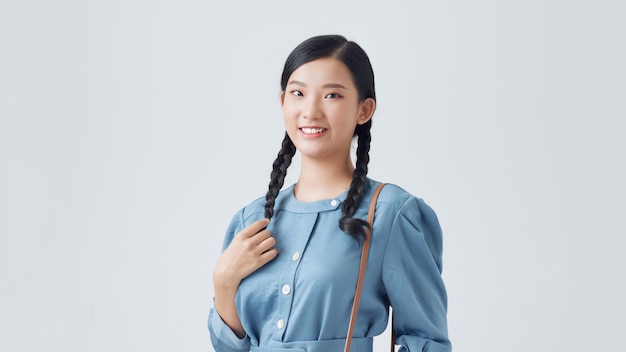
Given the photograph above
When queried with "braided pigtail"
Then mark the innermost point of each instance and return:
(279, 171)
(352, 226)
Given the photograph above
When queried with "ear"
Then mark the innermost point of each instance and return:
(282, 98)
(366, 110)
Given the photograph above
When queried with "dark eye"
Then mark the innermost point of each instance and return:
(333, 96)
(296, 93)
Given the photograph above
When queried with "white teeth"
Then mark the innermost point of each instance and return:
(309, 130)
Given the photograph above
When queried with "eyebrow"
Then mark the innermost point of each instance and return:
(327, 85)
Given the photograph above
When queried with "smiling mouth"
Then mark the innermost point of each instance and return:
(312, 130)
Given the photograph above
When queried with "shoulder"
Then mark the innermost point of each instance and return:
(410, 219)
(397, 201)
(394, 195)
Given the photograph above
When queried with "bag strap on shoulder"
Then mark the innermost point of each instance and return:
(362, 266)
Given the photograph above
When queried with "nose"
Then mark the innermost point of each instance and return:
(312, 109)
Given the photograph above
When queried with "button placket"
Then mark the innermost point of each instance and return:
(287, 280)
(286, 297)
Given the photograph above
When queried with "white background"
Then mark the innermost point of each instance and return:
(131, 131)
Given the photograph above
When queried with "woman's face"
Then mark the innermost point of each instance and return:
(321, 109)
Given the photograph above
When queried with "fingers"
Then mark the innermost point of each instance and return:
(265, 245)
(254, 228)
(259, 241)
(256, 237)
(268, 255)
(260, 237)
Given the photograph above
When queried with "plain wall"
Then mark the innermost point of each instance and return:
(131, 131)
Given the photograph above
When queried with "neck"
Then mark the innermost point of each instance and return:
(323, 179)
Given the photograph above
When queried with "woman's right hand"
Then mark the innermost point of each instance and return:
(249, 250)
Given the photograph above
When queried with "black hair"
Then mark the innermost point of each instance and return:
(357, 61)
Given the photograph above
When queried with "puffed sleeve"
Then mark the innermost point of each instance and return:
(412, 278)
(223, 338)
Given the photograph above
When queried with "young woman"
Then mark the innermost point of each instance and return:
(287, 284)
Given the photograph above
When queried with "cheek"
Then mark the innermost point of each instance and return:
(345, 117)
(290, 119)
(289, 111)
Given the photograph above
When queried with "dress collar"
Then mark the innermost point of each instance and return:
(287, 201)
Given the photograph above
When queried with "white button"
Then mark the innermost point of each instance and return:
(286, 289)
(280, 324)
(295, 256)
(333, 203)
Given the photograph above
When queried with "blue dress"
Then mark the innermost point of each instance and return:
(301, 300)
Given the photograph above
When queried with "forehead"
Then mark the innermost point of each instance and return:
(323, 71)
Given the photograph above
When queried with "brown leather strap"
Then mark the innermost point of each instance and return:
(363, 265)
(393, 335)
